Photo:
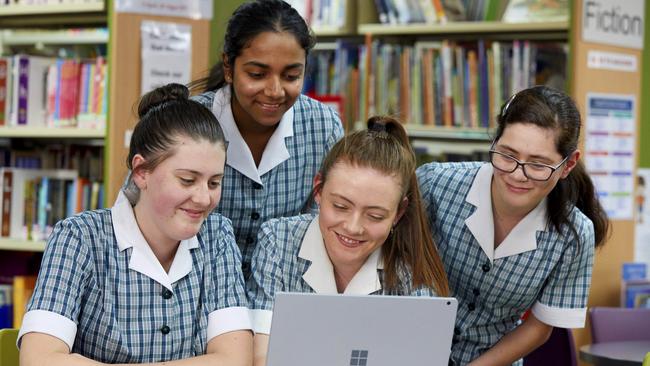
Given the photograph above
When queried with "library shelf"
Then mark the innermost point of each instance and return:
(47, 37)
(51, 132)
(448, 133)
(546, 29)
(333, 31)
(51, 9)
(21, 245)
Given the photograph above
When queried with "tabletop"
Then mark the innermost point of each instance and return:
(625, 353)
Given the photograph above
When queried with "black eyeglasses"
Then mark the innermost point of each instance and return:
(534, 171)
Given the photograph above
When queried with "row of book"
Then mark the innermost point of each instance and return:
(34, 154)
(17, 3)
(53, 92)
(410, 11)
(34, 200)
(453, 84)
(13, 300)
(321, 13)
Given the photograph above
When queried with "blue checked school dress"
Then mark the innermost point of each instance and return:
(281, 184)
(536, 267)
(102, 291)
(291, 257)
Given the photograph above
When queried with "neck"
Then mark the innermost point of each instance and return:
(343, 274)
(505, 217)
(164, 250)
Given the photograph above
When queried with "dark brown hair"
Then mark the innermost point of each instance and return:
(165, 114)
(552, 109)
(384, 146)
(247, 22)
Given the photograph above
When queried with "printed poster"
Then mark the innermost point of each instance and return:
(166, 54)
(642, 227)
(610, 142)
(194, 9)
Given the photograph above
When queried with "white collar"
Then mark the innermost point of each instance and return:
(320, 274)
(239, 156)
(142, 259)
(523, 236)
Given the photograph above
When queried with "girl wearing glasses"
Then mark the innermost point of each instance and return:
(518, 233)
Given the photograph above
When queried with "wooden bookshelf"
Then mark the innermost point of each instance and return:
(448, 133)
(50, 9)
(551, 30)
(332, 31)
(51, 132)
(60, 37)
(21, 245)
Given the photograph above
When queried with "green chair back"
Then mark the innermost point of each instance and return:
(8, 349)
(646, 360)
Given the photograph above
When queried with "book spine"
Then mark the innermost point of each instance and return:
(23, 91)
(4, 72)
(7, 188)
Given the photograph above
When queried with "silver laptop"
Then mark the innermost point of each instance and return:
(344, 330)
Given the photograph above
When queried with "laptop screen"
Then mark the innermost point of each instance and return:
(332, 330)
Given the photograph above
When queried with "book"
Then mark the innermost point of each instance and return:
(13, 213)
(29, 89)
(634, 271)
(4, 90)
(520, 11)
(631, 289)
(23, 287)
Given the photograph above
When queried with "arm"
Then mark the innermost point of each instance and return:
(265, 280)
(232, 349)
(260, 349)
(516, 344)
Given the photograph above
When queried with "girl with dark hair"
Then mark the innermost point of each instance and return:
(157, 277)
(370, 236)
(276, 136)
(518, 233)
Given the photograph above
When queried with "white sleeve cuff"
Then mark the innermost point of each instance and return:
(261, 320)
(43, 321)
(560, 317)
(227, 320)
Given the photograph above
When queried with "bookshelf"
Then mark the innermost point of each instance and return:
(92, 36)
(21, 245)
(77, 34)
(40, 9)
(52, 133)
(550, 30)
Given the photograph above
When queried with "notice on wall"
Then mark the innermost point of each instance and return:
(166, 54)
(610, 136)
(194, 9)
(642, 227)
(614, 22)
(613, 61)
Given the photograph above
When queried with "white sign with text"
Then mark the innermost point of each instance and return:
(614, 22)
(194, 9)
(166, 54)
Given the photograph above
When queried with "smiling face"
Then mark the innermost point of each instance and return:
(527, 143)
(266, 79)
(358, 207)
(180, 192)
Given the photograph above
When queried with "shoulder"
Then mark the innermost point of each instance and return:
(82, 232)
(314, 112)
(96, 222)
(451, 175)
(205, 98)
(288, 231)
(216, 230)
(583, 227)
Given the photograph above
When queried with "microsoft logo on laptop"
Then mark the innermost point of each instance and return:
(359, 357)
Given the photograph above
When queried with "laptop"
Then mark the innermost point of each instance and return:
(345, 330)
